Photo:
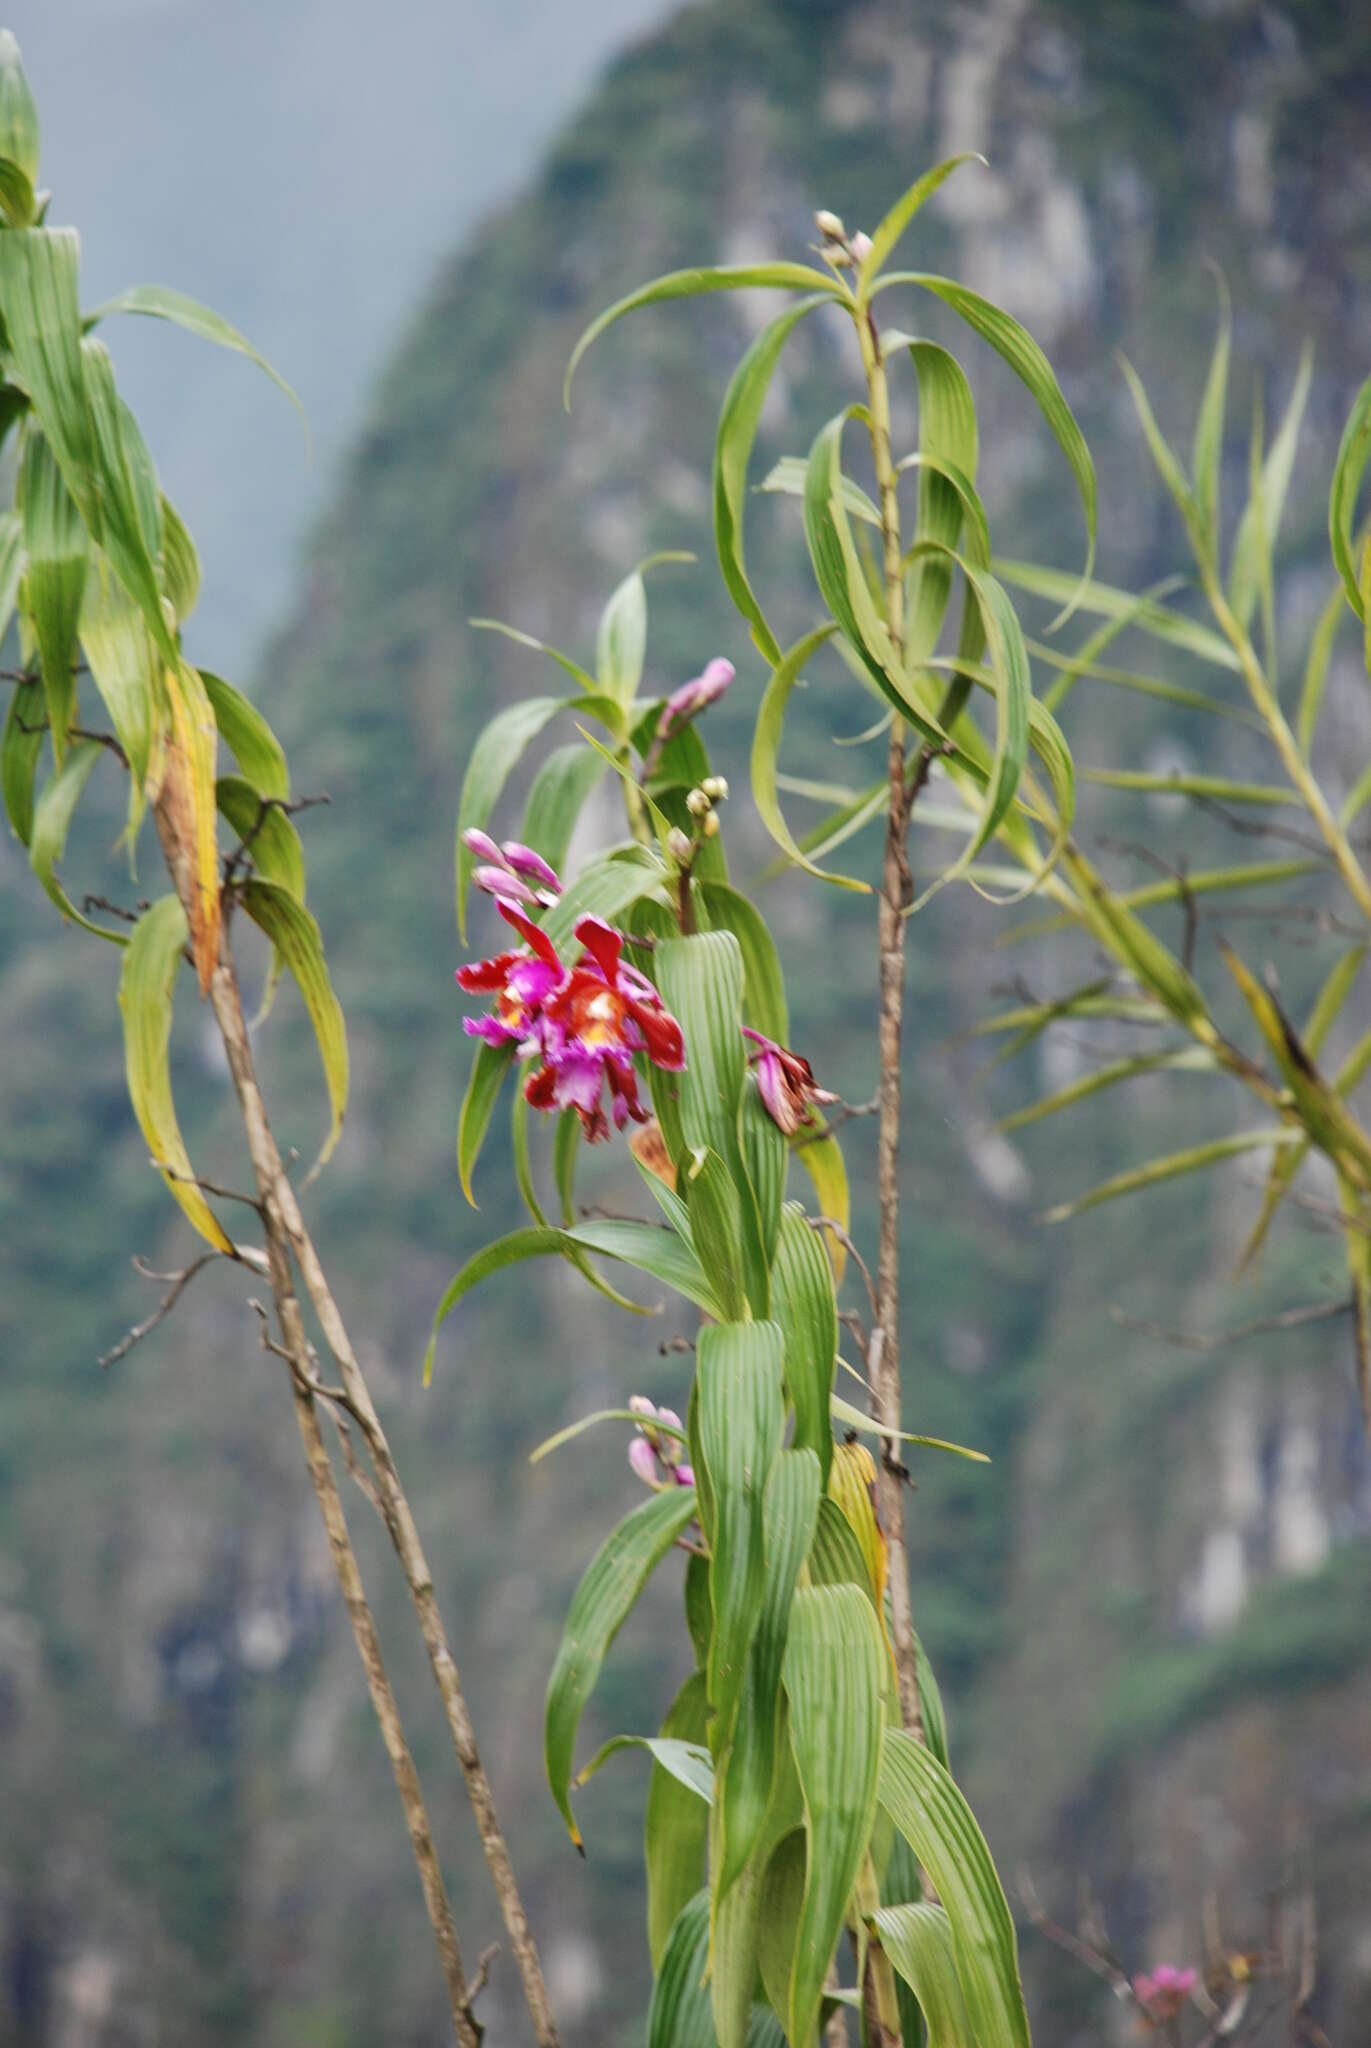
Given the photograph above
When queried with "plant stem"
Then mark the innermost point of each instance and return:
(283, 1222)
(895, 895)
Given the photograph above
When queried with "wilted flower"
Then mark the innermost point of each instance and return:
(785, 1082)
(584, 1023)
(1162, 1994)
(693, 697)
(655, 1457)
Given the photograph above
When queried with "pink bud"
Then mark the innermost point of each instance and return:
(641, 1458)
(525, 861)
(684, 1475)
(694, 696)
(500, 882)
(860, 245)
(483, 846)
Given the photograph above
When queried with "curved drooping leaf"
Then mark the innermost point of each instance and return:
(789, 1507)
(126, 665)
(1103, 600)
(918, 1941)
(487, 1077)
(1261, 519)
(295, 935)
(18, 113)
(855, 1418)
(900, 215)
(687, 1763)
(804, 1306)
(585, 684)
(657, 1252)
(269, 836)
(838, 568)
(621, 638)
(1207, 453)
(676, 1822)
(180, 563)
(603, 1601)
(248, 737)
(145, 1001)
(742, 410)
(941, 1829)
(947, 435)
(739, 1414)
(161, 302)
(52, 821)
(1354, 452)
(58, 550)
(711, 1199)
(187, 807)
(821, 1156)
(766, 742)
(834, 1682)
(1192, 1160)
(690, 284)
(499, 745)
(20, 746)
(122, 507)
(585, 1422)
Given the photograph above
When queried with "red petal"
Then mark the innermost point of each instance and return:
(482, 976)
(603, 944)
(527, 929)
(661, 1034)
(538, 1088)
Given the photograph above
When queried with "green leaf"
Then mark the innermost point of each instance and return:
(1193, 1160)
(565, 1152)
(607, 889)
(855, 1418)
(585, 1422)
(764, 1004)
(18, 114)
(602, 1603)
(766, 1157)
(19, 751)
(295, 935)
(902, 213)
(1217, 787)
(804, 1306)
(498, 747)
(931, 1705)
(788, 477)
(680, 2016)
(742, 410)
(127, 667)
(821, 1156)
(160, 302)
(17, 199)
(766, 745)
(789, 1507)
(1316, 668)
(1024, 357)
(918, 1941)
(659, 1253)
(690, 284)
(941, 1829)
(180, 563)
(38, 290)
(1207, 454)
(1354, 452)
(716, 1228)
(947, 434)
(556, 800)
(621, 641)
(838, 568)
(1168, 468)
(151, 963)
(52, 821)
(122, 507)
(834, 1679)
(676, 1823)
(688, 1763)
(250, 739)
(1262, 519)
(739, 1416)
(1102, 600)
(1190, 1059)
(58, 550)
(487, 1077)
(273, 843)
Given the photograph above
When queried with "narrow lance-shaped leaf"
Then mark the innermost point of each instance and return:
(940, 1827)
(1265, 515)
(557, 798)
(145, 999)
(161, 302)
(1354, 452)
(18, 114)
(890, 229)
(1193, 1160)
(127, 669)
(498, 747)
(52, 821)
(180, 563)
(918, 1941)
(58, 550)
(295, 935)
(248, 737)
(742, 410)
(1316, 668)
(1104, 601)
(676, 1823)
(602, 1603)
(834, 1681)
(487, 1077)
(268, 836)
(20, 746)
(188, 809)
(691, 284)
(804, 1306)
(766, 743)
(1207, 454)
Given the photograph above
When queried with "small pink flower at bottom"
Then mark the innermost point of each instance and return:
(785, 1082)
(1162, 1994)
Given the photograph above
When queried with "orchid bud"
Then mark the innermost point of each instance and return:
(829, 225)
(640, 1405)
(501, 883)
(684, 1475)
(643, 1461)
(697, 803)
(709, 826)
(525, 861)
(678, 845)
(715, 788)
(483, 846)
(860, 245)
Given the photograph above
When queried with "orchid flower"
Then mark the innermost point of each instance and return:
(654, 1457)
(785, 1082)
(1162, 1994)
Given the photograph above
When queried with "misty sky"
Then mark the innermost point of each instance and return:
(302, 165)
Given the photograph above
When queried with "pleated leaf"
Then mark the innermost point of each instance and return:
(738, 1418)
(151, 963)
(58, 550)
(834, 1681)
(602, 1603)
(18, 114)
(295, 935)
(556, 800)
(939, 1826)
(918, 1941)
(273, 844)
(127, 669)
(51, 823)
(764, 1003)
(821, 1156)
(676, 1823)
(248, 737)
(499, 746)
(188, 807)
(180, 563)
(803, 1304)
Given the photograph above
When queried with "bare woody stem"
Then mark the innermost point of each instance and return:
(895, 895)
(285, 1228)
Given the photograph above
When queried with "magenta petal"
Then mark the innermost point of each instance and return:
(603, 944)
(483, 846)
(491, 1029)
(501, 883)
(684, 1475)
(525, 861)
(772, 1089)
(643, 1461)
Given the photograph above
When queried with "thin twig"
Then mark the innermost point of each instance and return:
(1198, 1340)
(179, 1283)
(207, 1187)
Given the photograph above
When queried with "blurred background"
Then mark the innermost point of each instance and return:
(1150, 1613)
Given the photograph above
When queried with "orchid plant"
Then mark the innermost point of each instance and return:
(807, 1849)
